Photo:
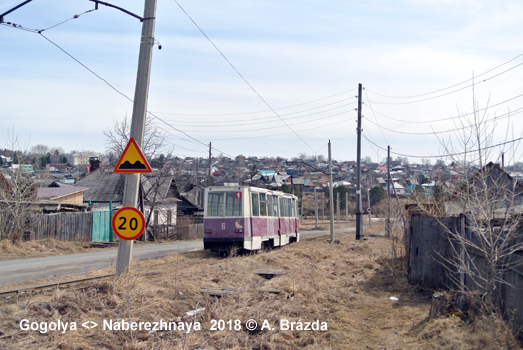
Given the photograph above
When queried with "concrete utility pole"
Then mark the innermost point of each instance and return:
(346, 206)
(322, 207)
(359, 209)
(387, 223)
(331, 195)
(315, 208)
(338, 207)
(368, 202)
(132, 181)
(209, 177)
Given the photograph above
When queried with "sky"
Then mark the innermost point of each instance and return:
(271, 78)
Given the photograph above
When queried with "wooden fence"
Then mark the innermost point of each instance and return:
(62, 226)
(433, 261)
(95, 226)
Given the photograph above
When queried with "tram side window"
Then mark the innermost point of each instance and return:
(233, 205)
(255, 204)
(282, 207)
(215, 204)
(263, 205)
(293, 208)
(269, 205)
(274, 206)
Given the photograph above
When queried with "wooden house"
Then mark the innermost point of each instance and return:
(490, 190)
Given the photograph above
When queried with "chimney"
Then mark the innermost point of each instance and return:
(94, 163)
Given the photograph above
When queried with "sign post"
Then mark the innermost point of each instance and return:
(132, 180)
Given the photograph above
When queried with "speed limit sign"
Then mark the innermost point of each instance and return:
(369, 210)
(128, 223)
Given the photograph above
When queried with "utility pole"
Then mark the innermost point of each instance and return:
(368, 202)
(387, 223)
(315, 207)
(322, 207)
(359, 210)
(331, 195)
(346, 206)
(338, 207)
(209, 177)
(132, 181)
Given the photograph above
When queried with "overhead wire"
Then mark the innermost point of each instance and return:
(257, 119)
(121, 93)
(495, 119)
(443, 119)
(449, 154)
(39, 31)
(452, 86)
(242, 77)
(267, 110)
(449, 93)
(206, 127)
(285, 133)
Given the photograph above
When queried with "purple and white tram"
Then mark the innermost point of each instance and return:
(249, 217)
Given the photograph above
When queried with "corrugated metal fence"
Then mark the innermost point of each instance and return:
(433, 261)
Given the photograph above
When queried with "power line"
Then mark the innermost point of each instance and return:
(449, 93)
(257, 118)
(39, 31)
(242, 77)
(452, 86)
(281, 134)
(83, 65)
(450, 154)
(443, 119)
(497, 118)
(263, 122)
(118, 91)
(267, 110)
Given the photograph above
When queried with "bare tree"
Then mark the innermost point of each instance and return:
(489, 202)
(118, 137)
(16, 195)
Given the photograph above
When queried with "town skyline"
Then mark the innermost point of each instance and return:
(270, 79)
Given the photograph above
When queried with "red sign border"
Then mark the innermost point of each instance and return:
(132, 171)
(114, 226)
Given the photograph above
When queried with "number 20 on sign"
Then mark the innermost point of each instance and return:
(128, 223)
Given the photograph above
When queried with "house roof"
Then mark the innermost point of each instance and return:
(54, 193)
(298, 181)
(102, 186)
(488, 169)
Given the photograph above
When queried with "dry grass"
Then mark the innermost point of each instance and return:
(33, 249)
(346, 285)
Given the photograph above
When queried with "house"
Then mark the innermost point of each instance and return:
(104, 189)
(71, 195)
(396, 188)
(489, 192)
(59, 168)
(157, 198)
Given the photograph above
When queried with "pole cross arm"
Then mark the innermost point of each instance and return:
(116, 7)
(13, 9)
(95, 1)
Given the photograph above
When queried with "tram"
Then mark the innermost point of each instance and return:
(249, 218)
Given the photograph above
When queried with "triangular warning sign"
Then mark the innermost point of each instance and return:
(132, 160)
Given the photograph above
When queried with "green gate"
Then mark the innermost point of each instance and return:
(102, 226)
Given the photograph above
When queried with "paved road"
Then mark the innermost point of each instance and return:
(23, 270)
(18, 271)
